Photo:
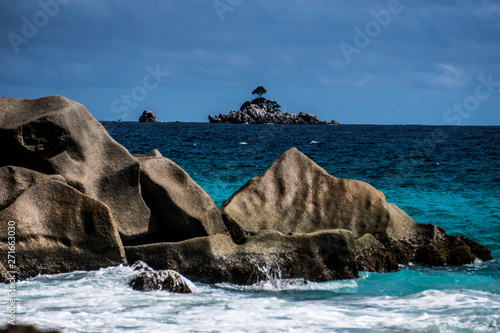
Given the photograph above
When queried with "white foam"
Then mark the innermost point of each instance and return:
(102, 301)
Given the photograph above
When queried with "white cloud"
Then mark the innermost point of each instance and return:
(330, 81)
(447, 76)
(487, 11)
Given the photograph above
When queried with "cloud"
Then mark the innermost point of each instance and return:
(104, 46)
(446, 76)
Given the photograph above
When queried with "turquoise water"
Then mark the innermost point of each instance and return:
(448, 176)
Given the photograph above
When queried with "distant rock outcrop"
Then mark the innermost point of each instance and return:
(147, 117)
(260, 111)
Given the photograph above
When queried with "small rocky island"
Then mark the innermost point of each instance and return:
(264, 111)
(147, 117)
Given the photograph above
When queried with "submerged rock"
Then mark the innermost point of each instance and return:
(295, 195)
(180, 208)
(56, 228)
(168, 280)
(26, 329)
(147, 117)
(319, 256)
(55, 135)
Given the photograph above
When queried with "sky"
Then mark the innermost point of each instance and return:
(430, 62)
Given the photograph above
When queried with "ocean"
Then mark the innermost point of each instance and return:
(445, 175)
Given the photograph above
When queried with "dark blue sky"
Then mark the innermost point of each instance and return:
(359, 62)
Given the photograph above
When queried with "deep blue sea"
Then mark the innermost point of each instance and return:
(448, 176)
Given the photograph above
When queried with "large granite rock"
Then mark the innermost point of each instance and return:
(263, 113)
(180, 208)
(319, 256)
(55, 135)
(294, 196)
(56, 228)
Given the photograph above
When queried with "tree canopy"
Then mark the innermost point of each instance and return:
(275, 105)
(260, 90)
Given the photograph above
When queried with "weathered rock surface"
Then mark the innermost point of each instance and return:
(167, 280)
(4, 273)
(147, 117)
(263, 113)
(318, 256)
(295, 195)
(57, 228)
(55, 135)
(180, 208)
(373, 256)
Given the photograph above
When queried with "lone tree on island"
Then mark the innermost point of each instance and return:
(260, 90)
